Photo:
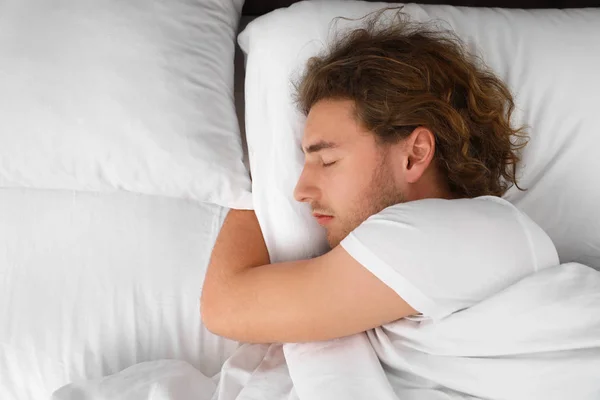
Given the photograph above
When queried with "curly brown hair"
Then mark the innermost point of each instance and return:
(403, 75)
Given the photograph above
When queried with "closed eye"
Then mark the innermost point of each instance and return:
(329, 164)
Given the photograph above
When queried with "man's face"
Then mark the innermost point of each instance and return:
(347, 175)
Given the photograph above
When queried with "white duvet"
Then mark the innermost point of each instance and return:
(538, 339)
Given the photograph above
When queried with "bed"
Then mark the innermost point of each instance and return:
(98, 275)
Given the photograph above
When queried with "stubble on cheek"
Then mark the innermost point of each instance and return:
(380, 194)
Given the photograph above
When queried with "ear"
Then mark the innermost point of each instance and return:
(419, 148)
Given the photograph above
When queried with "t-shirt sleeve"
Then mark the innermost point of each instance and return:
(415, 297)
(442, 256)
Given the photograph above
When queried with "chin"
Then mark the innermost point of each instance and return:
(337, 233)
(334, 239)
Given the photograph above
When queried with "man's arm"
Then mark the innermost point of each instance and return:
(247, 299)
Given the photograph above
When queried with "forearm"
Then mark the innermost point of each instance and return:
(239, 246)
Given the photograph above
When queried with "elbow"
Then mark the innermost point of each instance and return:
(221, 318)
(213, 303)
(218, 316)
(222, 321)
(211, 316)
(222, 312)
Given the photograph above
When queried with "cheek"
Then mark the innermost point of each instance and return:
(346, 188)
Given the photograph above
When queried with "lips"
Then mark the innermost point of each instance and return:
(322, 219)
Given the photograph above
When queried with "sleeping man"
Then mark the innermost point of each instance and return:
(408, 147)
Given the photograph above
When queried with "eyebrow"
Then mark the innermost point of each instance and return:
(322, 145)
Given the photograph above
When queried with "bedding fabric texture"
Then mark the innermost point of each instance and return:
(93, 283)
(549, 58)
(105, 95)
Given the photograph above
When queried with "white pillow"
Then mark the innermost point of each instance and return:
(136, 95)
(549, 58)
(92, 283)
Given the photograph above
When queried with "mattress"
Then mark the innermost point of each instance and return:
(93, 283)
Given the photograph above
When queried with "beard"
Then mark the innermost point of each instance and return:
(380, 194)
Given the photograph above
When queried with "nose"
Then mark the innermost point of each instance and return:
(306, 189)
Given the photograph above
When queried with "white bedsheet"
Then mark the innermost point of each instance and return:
(538, 339)
(91, 284)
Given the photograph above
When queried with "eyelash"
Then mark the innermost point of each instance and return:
(329, 164)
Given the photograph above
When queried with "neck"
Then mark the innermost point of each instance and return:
(428, 187)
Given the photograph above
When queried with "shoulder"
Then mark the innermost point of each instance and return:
(450, 254)
(490, 206)
(480, 231)
(441, 217)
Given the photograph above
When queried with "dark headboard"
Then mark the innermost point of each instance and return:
(260, 7)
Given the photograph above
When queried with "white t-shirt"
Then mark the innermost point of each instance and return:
(442, 256)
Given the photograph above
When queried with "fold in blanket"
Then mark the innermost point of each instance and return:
(538, 339)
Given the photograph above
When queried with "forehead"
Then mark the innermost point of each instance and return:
(332, 121)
